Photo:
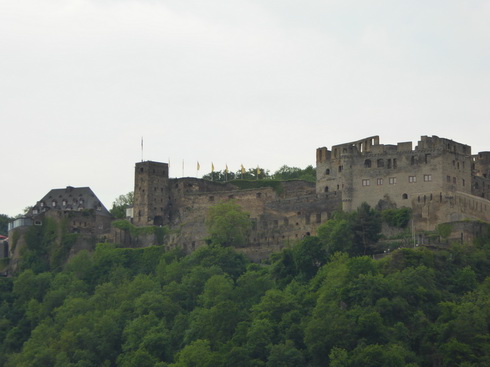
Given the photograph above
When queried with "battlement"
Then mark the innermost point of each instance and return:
(436, 143)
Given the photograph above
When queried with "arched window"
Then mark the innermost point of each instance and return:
(327, 171)
(405, 196)
(367, 163)
(326, 188)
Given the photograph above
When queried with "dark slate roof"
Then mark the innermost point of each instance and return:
(70, 198)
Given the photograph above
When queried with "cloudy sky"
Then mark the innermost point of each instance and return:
(230, 82)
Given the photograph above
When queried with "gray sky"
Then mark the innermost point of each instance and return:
(230, 82)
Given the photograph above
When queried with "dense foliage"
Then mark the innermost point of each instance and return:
(282, 174)
(4, 221)
(356, 233)
(120, 205)
(310, 307)
(228, 225)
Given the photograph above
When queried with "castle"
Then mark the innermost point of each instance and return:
(439, 179)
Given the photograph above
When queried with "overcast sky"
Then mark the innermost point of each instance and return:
(230, 82)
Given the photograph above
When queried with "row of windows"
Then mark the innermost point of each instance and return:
(455, 180)
(230, 197)
(388, 163)
(275, 223)
(392, 163)
(380, 163)
(392, 180)
(456, 164)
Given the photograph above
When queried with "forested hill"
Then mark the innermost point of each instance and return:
(147, 307)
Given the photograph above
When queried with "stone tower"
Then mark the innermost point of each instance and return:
(151, 193)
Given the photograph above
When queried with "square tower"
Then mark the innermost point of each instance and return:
(151, 193)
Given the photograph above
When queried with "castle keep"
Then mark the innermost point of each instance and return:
(439, 179)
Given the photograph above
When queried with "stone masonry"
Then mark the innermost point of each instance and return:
(439, 179)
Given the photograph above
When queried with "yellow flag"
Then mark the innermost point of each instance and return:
(226, 169)
(212, 167)
(198, 166)
(258, 171)
(243, 169)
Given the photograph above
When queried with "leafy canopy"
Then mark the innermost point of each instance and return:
(121, 203)
(228, 224)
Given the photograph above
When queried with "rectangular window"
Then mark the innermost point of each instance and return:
(454, 180)
(379, 181)
(341, 168)
(365, 182)
(412, 179)
(392, 180)
(448, 178)
(462, 182)
(427, 178)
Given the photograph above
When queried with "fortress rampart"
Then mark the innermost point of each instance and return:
(439, 179)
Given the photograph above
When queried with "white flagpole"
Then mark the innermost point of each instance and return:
(141, 149)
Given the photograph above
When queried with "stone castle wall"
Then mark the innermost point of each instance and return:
(439, 179)
(433, 208)
(366, 171)
(278, 219)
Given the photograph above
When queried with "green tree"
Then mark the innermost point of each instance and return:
(250, 174)
(285, 355)
(336, 234)
(295, 173)
(197, 354)
(366, 225)
(309, 256)
(228, 224)
(121, 203)
(4, 220)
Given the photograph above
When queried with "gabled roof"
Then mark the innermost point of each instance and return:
(70, 198)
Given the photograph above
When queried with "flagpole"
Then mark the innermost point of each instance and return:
(141, 149)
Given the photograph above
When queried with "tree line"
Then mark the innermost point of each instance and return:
(321, 302)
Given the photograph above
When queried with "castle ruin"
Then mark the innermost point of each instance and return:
(439, 179)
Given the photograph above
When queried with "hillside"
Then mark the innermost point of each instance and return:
(306, 307)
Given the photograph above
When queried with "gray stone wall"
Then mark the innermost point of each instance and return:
(278, 219)
(366, 171)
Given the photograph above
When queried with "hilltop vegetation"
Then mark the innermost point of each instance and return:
(4, 220)
(312, 305)
(282, 174)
